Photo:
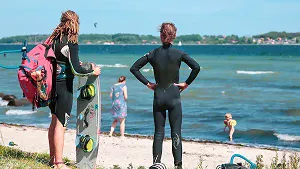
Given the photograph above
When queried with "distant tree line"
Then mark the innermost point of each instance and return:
(122, 38)
(275, 35)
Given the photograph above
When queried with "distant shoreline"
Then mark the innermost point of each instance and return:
(271, 38)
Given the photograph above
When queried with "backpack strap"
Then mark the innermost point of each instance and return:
(28, 76)
(33, 103)
(47, 49)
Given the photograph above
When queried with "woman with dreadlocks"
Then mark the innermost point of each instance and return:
(166, 61)
(65, 35)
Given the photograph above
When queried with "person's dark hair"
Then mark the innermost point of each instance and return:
(167, 32)
(122, 79)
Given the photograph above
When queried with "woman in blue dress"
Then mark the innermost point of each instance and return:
(119, 107)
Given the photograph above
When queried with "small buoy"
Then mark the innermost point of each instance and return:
(223, 92)
(12, 144)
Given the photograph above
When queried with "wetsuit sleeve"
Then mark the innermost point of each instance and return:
(193, 65)
(135, 69)
(75, 60)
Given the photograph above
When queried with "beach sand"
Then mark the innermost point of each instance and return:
(135, 150)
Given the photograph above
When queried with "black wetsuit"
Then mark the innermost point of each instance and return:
(64, 84)
(166, 62)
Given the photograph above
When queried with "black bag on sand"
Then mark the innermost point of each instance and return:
(231, 166)
(158, 166)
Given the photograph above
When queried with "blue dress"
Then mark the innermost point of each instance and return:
(119, 106)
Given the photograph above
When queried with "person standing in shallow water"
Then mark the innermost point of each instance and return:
(230, 123)
(166, 62)
(119, 106)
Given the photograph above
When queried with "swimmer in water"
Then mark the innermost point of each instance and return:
(230, 123)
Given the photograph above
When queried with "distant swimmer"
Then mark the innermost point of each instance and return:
(95, 24)
(230, 123)
(4, 54)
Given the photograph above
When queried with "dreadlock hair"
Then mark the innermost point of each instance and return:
(167, 32)
(69, 25)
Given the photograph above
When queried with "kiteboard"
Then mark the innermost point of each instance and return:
(88, 120)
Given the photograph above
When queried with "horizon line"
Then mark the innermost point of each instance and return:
(154, 35)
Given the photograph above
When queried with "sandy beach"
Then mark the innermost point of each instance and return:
(135, 150)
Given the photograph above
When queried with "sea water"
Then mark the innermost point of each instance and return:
(258, 84)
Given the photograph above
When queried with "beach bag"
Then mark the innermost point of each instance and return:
(37, 75)
(231, 164)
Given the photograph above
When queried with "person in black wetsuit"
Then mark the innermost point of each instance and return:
(65, 35)
(166, 62)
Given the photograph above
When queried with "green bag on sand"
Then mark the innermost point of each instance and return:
(87, 92)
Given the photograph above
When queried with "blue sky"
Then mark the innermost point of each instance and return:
(241, 17)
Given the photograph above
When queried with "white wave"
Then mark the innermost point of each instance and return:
(117, 65)
(147, 70)
(286, 137)
(41, 125)
(253, 72)
(3, 102)
(19, 112)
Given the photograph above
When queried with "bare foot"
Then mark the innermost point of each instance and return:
(60, 165)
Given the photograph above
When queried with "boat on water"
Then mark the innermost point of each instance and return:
(179, 43)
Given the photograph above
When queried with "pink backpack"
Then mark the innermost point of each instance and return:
(37, 75)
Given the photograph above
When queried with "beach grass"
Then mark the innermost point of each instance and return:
(291, 162)
(15, 158)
